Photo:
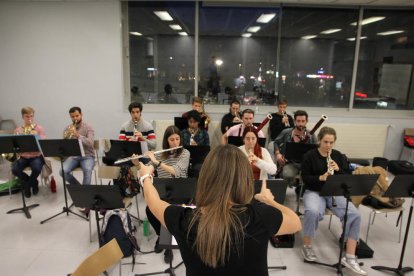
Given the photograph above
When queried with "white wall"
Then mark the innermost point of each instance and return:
(54, 55)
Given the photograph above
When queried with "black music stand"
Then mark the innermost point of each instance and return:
(19, 144)
(294, 152)
(238, 141)
(401, 186)
(346, 185)
(177, 190)
(62, 148)
(278, 188)
(96, 197)
(181, 123)
(197, 156)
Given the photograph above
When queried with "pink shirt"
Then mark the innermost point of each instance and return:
(237, 130)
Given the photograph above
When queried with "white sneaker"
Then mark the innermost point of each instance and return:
(308, 253)
(352, 264)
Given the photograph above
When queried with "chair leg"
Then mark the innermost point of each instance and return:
(369, 225)
(330, 221)
(136, 202)
(90, 230)
(401, 223)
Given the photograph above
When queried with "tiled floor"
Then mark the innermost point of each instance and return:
(58, 246)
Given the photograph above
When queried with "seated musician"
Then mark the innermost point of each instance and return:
(234, 116)
(317, 165)
(84, 132)
(197, 105)
(237, 130)
(260, 160)
(226, 234)
(169, 164)
(280, 120)
(194, 135)
(295, 134)
(137, 129)
(34, 160)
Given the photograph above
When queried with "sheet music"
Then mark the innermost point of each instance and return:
(81, 148)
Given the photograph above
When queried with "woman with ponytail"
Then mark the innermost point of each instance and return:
(228, 232)
(260, 159)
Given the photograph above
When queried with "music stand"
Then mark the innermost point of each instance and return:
(238, 141)
(278, 188)
(294, 152)
(346, 185)
(19, 144)
(401, 186)
(197, 156)
(62, 148)
(96, 197)
(181, 122)
(178, 191)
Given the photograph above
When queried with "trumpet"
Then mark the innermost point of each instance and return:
(68, 134)
(285, 117)
(143, 155)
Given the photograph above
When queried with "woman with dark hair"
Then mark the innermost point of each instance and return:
(168, 164)
(260, 159)
(317, 165)
(228, 233)
(194, 135)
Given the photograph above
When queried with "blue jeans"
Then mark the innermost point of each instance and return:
(315, 209)
(86, 163)
(35, 164)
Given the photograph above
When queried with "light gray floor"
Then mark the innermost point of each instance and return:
(58, 246)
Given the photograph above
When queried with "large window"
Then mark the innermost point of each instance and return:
(385, 66)
(257, 53)
(161, 48)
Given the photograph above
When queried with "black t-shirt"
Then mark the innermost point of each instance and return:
(276, 126)
(261, 220)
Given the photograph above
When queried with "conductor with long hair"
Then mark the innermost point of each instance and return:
(228, 232)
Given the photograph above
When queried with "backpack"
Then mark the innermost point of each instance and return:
(117, 224)
(376, 198)
(127, 182)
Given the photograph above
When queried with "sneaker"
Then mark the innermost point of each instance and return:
(308, 253)
(168, 256)
(352, 264)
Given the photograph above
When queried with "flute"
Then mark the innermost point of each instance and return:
(143, 155)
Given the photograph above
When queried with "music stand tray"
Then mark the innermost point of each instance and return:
(62, 148)
(19, 144)
(295, 151)
(346, 185)
(401, 186)
(96, 197)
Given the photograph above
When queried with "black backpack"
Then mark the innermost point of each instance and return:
(117, 224)
(127, 182)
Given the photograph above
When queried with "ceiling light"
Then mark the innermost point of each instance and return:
(331, 31)
(353, 38)
(246, 35)
(163, 15)
(176, 27)
(135, 33)
(391, 32)
(369, 20)
(265, 18)
(308, 36)
(183, 33)
(253, 29)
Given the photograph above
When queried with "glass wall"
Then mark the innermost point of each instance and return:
(161, 51)
(257, 53)
(385, 65)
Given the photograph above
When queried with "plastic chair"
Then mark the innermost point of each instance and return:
(8, 124)
(407, 149)
(100, 260)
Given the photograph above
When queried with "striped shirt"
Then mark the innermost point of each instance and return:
(145, 128)
(179, 164)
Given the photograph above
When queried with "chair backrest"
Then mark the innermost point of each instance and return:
(108, 172)
(8, 124)
(100, 260)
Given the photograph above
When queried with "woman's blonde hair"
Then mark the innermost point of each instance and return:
(225, 181)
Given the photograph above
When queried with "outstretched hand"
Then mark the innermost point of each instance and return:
(265, 193)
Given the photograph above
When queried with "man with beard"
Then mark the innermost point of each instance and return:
(297, 134)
